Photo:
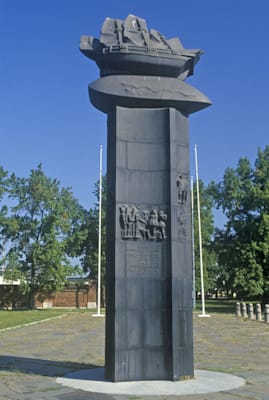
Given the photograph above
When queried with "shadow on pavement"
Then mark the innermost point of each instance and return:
(40, 367)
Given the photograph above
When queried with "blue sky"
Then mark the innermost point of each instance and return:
(45, 114)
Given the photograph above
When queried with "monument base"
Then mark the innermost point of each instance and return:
(204, 382)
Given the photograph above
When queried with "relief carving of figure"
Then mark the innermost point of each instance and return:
(182, 183)
(182, 189)
(143, 225)
(132, 218)
(146, 225)
(123, 222)
(162, 217)
(153, 224)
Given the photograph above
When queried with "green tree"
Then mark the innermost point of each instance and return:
(224, 271)
(42, 218)
(207, 231)
(85, 241)
(261, 198)
(243, 244)
(4, 182)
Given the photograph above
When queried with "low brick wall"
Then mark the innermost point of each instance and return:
(70, 297)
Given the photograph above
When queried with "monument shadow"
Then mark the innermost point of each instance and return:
(37, 366)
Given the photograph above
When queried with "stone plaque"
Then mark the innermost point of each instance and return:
(144, 262)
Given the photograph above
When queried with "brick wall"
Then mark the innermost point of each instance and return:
(69, 297)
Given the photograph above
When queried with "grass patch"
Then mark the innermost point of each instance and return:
(9, 319)
(218, 306)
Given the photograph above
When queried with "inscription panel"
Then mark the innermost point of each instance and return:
(145, 262)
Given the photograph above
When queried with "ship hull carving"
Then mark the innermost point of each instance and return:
(129, 48)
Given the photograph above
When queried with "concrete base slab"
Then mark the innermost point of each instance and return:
(92, 380)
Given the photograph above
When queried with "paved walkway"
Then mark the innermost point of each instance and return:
(33, 356)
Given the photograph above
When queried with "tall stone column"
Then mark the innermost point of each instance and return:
(149, 260)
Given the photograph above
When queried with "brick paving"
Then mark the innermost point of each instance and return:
(33, 356)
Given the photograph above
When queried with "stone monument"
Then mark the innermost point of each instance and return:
(149, 258)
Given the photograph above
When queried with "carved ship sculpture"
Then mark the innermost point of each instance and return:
(128, 47)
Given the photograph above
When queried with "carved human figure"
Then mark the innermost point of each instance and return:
(162, 217)
(123, 222)
(133, 222)
(182, 189)
(143, 225)
(153, 224)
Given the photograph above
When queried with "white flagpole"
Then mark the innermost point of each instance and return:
(200, 237)
(99, 239)
(193, 252)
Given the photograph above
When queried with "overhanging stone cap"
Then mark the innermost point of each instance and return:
(145, 92)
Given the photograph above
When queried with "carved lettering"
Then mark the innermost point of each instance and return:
(144, 263)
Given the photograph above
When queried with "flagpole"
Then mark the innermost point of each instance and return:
(200, 237)
(99, 239)
(193, 251)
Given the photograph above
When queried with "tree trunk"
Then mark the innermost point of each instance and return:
(31, 299)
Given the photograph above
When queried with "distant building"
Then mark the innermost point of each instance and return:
(79, 292)
(4, 281)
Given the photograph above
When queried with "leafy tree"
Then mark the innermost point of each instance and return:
(225, 272)
(243, 245)
(39, 224)
(4, 182)
(85, 241)
(261, 198)
(207, 231)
